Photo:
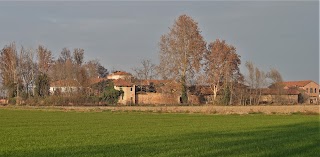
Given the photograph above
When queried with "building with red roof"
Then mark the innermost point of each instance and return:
(310, 87)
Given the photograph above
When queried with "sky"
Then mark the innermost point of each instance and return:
(282, 35)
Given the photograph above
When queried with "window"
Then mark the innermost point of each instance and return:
(131, 89)
(315, 90)
(307, 90)
(311, 90)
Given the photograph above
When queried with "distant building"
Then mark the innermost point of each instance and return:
(119, 75)
(128, 97)
(286, 96)
(310, 87)
(64, 86)
(70, 86)
(157, 92)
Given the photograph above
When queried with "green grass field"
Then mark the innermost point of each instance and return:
(55, 133)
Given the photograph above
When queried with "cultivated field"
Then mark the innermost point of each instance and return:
(55, 133)
(209, 109)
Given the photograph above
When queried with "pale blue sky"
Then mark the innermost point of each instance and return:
(283, 35)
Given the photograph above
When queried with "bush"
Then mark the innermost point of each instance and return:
(12, 101)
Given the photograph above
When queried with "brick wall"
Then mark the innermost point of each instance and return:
(162, 98)
(157, 98)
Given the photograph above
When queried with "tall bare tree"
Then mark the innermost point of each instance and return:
(276, 82)
(92, 68)
(78, 56)
(260, 82)
(250, 79)
(8, 69)
(65, 55)
(181, 52)
(221, 66)
(45, 59)
(27, 68)
(256, 80)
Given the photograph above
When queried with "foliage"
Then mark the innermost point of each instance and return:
(226, 95)
(102, 71)
(12, 101)
(39, 133)
(111, 95)
(107, 91)
(42, 84)
(302, 97)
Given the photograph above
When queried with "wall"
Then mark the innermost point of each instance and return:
(314, 96)
(64, 89)
(116, 77)
(164, 99)
(291, 99)
(157, 98)
(315, 93)
(128, 96)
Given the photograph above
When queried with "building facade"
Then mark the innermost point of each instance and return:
(310, 87)
(128, 96)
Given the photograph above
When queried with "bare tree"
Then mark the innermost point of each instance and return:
(181, 52)
(256, 80)
(27, 68)
(65, 55)
(260, 82)
(78, 56)
(146, 71)
(276, 82)
(45, 59)
(69, 69)
(221, 66)
(8, 69)
(250, 79)
(92, 68)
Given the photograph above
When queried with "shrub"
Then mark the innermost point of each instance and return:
(12, 101)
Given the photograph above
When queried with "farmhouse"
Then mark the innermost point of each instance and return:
(120, 75)
(285, 96)
(156, 92)
(64, 86)
(128, 88)
(310, 87)
(70, 86)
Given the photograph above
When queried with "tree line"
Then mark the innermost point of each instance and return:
(188, 59)
(28, 72)
(184, 56)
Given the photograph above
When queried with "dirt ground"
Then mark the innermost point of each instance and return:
(283, 109)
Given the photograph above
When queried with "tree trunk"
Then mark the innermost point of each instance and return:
(184, 95)
(215, 91)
